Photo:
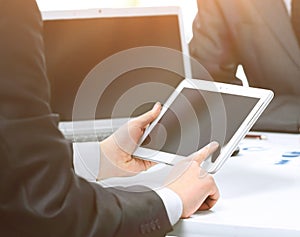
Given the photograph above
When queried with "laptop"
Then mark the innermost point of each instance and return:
(78, 43)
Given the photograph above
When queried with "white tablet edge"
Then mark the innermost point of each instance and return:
(264, 96)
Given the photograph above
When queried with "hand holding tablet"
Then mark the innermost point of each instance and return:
(197, 113)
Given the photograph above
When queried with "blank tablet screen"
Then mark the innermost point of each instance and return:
(197, 117)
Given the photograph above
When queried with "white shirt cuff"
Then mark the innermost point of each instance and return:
(172, 202)
(86, 159)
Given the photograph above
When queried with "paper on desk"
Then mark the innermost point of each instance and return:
(277, 149)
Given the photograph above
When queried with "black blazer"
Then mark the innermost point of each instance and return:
(39, 193)
(257, 34)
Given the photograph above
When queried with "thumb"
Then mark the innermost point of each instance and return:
(148, 117)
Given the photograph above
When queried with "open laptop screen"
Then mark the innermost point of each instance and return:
(75, 45)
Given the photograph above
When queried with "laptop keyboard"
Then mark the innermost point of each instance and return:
(87, 137)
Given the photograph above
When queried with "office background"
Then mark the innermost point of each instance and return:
(259, 187)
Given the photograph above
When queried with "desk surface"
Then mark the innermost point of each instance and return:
(260, 192)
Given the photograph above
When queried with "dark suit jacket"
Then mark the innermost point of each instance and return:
(39, 193)
(257, 34)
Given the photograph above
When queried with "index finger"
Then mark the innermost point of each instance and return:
(204, 152)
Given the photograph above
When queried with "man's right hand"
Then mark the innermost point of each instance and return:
(196, 188)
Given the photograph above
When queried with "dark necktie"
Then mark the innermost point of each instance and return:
(296, 18)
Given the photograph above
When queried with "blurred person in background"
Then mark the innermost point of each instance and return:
(264, 37)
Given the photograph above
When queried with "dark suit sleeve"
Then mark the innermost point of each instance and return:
(39, 193)
(212, 44)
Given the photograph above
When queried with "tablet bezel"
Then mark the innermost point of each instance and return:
(264, 97)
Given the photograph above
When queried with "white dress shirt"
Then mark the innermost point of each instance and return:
(86, 160)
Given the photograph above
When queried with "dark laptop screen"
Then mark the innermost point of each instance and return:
(75, 46)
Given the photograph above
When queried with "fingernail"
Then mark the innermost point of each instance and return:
(156, 106)
(213, 145)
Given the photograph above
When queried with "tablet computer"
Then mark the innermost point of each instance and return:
(199, 112)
